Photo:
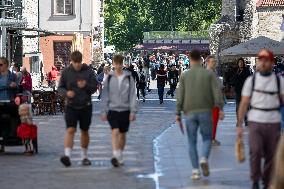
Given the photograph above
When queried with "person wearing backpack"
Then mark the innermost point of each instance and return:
(173, 80)
(119, 106)
(263, 92)
(142, 83)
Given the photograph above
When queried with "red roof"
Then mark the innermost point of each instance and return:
(270, 3)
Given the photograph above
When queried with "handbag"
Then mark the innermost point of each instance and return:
(240, 150)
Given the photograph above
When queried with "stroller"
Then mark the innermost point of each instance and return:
(9, 123)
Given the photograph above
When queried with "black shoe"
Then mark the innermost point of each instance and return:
(255, 185)
(115, 162)
(144, 100)
(65, 160)
(2, 149)
(86, 162)
(161, 101)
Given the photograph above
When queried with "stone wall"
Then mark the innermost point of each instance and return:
(257, 22)
(30, 12)
(229, 8)
(269, 22)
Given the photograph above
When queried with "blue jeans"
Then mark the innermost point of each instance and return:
(204, 122)
(282, 117)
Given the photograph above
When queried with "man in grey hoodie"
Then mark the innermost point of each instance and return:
(77, 84)
(119, 106)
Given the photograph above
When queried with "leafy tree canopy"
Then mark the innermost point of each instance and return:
(126, 20)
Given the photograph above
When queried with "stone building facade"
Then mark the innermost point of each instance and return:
(243, 20)
(65, 18)
(30, 12)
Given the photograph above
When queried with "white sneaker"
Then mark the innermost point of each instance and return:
(205, 167)
(120, 159)
(195, 175)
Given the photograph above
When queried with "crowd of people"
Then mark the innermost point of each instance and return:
(162, 67)
(200, 101)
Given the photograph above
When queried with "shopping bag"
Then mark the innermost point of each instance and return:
(240, 150)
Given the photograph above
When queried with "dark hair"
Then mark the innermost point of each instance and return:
(162, 66)
(17, 66)
(118, 58)
(131, 66)
(76, 56)
(4, 60)
(241, 59)
(208, 58)
(195, 55)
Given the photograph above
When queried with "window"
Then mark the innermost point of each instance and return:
(63, 7)
(35, 64)
(62, 51)
(10, 14)
(7, 9)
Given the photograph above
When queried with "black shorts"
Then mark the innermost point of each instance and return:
(119, 120)
(83, 116)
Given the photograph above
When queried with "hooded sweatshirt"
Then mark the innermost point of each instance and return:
(118, 96)
(68, 81)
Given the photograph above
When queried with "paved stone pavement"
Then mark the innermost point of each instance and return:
(156, 156)
(173, 165)
(44, 171)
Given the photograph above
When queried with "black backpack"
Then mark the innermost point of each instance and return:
(278, 92)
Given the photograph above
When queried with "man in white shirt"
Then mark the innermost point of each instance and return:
(263, 92)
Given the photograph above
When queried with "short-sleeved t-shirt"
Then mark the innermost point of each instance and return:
(262, 100)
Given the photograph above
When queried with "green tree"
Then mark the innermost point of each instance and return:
(126, 20)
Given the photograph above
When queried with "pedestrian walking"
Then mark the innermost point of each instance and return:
(27, 85)
(161, 82)
(52, 77)
(101, 79)
(17, 71)
(77, 84)
(141, 84)
(173, 77)
(198, 93)
(211, 66)
(263, 92)
(119, 106)
(101, 68)
(238, 81)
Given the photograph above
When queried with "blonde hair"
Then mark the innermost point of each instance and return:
(25, 108)
(278, 175)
